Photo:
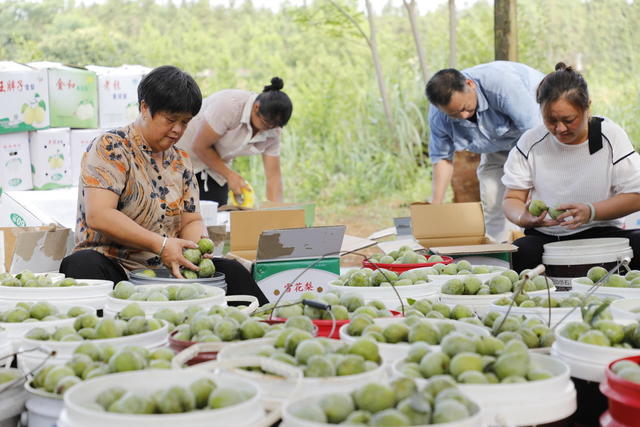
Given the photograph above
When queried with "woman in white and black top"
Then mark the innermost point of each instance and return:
(575, 162)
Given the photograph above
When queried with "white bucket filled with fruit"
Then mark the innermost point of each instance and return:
(385, 285)
(398, 403)
(512, 385)
(12, 396)
(155, 398)
(395, 336)
(471, 291)
(57, 344)
(627, 285)
(32, 288)
(440, 272)
(20, 318)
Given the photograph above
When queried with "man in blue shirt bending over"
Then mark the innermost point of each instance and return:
(483, 109)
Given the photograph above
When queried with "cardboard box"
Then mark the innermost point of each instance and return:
(39, 249)
(73, 95)
(457, 230)
(50, 152)
(15, 214)
(118, 94)
(308, 207)
(24, 98)
(79, 140)
(15, 162)
(57, 206)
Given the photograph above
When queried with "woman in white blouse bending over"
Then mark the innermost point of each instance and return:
(235, 123)
(575, 162)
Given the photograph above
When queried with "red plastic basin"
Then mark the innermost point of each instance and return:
(401, 268)
(623, 396)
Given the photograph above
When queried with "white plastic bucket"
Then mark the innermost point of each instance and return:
(209, 212)
(530, 403)
(6, 349)
(606, 290)
(621, 309)
(290, 420)
(43, 408)
(94, 295)
(12, 402)
(568, 259)
(587, 361)
(64, 350)
(386, 294)
(278, 388)
(391, 353)
(482, 304)
(77, 398)
(442, 278)
(16, 331)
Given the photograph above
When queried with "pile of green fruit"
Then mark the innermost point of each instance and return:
(473, 360)
(573, 299)
(506, 282)
(27, 279)
(463, 267)
(603, 332)
(381, 277)
(202, 394)
(626, 369)
(437, 310)
(343, 306)
(188, 291)
(531, 331)
(319, 357)
(404, 255)
(630, 280)
(408, 330)
(90, 327)
(536, 207)
(38, 311)
(90, 360)
(206, 268)
(400, 403)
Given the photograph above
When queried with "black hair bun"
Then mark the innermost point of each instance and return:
(561, 66)
(276, 84)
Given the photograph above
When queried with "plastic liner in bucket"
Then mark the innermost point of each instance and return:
(623, 396)
(568, 259)
(401, 268)
(64, 349)
(391, 353)
(93, 295)
(386, 294)
(12, 400)
(528, 403)
(16, 331)
(278, 388)
(164, 276)
(76, 412)
(43, 408)
(289, 419)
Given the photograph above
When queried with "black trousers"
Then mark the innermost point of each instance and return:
(90, 264)
(215, 192)
(530, 249)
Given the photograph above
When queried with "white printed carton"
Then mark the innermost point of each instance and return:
(24, 98)
(50, 158)
(15, 162)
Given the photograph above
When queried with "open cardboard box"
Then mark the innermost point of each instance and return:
(39, 249)
(277, 248)
(456, 230)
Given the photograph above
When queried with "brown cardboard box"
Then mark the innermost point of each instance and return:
(454, 229)
(39, 249)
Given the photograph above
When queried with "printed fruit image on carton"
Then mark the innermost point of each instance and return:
(34, 111)
(85, 110)
(56, 161)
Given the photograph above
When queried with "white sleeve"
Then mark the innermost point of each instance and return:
(517, 171)
(626, 170)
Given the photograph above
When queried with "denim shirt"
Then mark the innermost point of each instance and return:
(507, 107)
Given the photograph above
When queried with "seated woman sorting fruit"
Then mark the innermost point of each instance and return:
(580, 169)
(138, 204)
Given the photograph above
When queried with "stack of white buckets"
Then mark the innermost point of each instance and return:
(573, 258)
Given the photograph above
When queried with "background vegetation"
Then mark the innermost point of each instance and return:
(337, 149)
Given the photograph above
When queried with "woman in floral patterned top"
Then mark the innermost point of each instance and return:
(138, 204)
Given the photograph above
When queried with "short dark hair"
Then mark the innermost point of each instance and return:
(564, 82)
(441, 86)
(275, 105)
(168, 88)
